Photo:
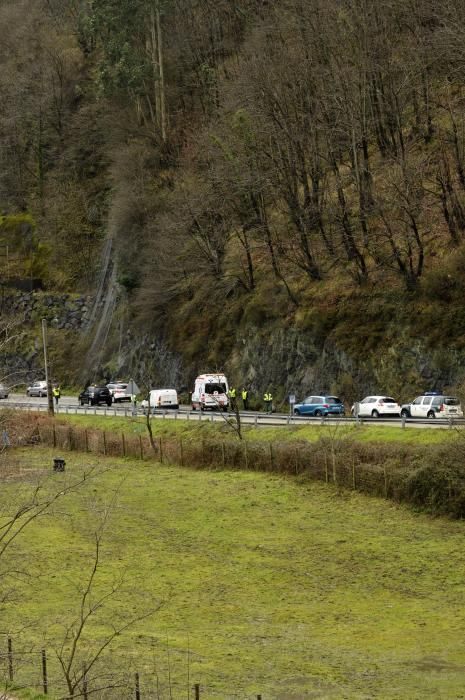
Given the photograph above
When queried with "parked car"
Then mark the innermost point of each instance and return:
(319, 406)
(3, 392)
(433, 404)
(94, 395)
(37, 389)
(376, 406)
(162, 398)
(119, 392)
(210, 391)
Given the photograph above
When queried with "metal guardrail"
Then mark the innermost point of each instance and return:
(248, 417)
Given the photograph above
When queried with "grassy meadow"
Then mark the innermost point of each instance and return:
(269, 585)
(193, 429)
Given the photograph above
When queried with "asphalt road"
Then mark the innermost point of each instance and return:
(70, 405)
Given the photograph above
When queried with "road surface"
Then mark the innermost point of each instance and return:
(70, 405)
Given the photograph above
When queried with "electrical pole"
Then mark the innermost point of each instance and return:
(47, 377)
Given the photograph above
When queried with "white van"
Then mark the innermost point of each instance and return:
(162, 398)
(210, 391)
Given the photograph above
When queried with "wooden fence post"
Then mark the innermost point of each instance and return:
(70, 438)
(326, 468)
(123, 442)
(223, 455)
(10, 659)
(246, 455)
(44, 672)
(271, 457)
(137, 686)
(181, 451)
(104, 442)
(160, 444)
(54, 436)
(86, 437)
(385, 482)
(141, 447)
(197, 691)
(354, 483)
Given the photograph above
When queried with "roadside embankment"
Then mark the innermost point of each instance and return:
(428, 476)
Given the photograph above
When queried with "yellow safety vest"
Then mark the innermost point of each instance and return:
(244, 393)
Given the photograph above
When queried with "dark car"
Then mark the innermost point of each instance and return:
(94, 395)
(319, 406)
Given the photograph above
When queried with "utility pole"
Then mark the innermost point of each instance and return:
(47, 377)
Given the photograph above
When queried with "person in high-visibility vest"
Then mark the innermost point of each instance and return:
(268, 400)
(232, 394)
(245, 398)
(56, 391)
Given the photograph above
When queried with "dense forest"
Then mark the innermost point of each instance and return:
(272, 188)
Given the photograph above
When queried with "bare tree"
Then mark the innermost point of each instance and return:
(76, 655)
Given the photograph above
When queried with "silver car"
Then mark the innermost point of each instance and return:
(37, 389)
(3, 392)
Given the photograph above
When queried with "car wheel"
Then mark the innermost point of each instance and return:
(431, 414)
(404, 414)
(109, 402)
(375, 414)
(81, 402)
(40, 394)
(297, 412)
(318, 413)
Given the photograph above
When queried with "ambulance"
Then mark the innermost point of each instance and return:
(210, 391)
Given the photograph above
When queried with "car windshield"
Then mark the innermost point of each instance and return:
(451, 401)
(388, 399)
(121, 386)
(212, 388)
(333, 399)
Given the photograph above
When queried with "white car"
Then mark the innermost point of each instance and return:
(376, 406)
(119, 391)
(433, 404)
(37, 389)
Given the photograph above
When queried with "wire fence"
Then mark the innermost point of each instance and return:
(25, 667)
(380, 470)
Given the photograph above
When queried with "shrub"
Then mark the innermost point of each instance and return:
(439, 483)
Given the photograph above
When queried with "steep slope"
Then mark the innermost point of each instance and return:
(275, 190)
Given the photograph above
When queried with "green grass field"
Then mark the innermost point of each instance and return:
(193, 428)
(271, 586)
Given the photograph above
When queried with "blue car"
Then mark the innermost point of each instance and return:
(319, 406)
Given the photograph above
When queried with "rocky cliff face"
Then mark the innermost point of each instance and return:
(62, 311)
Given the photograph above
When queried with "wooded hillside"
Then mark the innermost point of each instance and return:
(275, 188)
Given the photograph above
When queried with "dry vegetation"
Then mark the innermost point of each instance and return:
(291, 169)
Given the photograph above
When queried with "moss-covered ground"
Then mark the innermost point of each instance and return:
(271, 586)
